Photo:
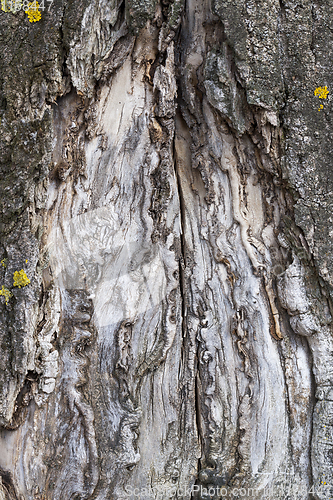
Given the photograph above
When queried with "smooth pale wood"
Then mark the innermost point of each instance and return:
(180, 341)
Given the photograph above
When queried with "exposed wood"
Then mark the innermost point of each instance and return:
(166, 187)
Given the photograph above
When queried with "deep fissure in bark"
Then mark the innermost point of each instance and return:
(177, 328)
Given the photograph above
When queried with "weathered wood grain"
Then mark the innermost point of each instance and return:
(167, 193)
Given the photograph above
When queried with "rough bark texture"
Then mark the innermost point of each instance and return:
(166, 185)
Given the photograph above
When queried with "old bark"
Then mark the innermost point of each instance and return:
(166, 186)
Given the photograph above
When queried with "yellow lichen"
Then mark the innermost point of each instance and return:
(321, 92)
(33, 12)
(20, 279)
(6, 293)
(4, 262)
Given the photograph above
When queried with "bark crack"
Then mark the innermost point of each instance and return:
(182, 259)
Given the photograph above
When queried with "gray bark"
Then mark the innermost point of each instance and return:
(166, 187)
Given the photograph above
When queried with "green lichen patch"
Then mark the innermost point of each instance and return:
(222, 89)
(138, 12)
(175, 11)
(252, 33)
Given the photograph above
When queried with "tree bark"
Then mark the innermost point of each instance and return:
(166, 187)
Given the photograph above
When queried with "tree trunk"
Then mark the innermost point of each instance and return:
(166, 187)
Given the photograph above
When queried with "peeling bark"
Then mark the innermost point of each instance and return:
(166, 188)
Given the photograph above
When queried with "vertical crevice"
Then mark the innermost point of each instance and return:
(198, 418)
(313, 401)
(187, 341)
(182, 259)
